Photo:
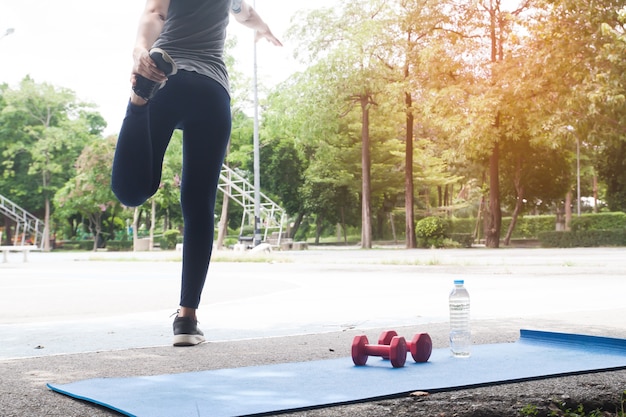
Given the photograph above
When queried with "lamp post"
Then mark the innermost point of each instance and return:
(257, 157)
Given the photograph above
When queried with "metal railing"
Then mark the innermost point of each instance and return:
(235, 186)
(25, 223)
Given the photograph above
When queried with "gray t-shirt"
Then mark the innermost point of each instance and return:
(194, 34)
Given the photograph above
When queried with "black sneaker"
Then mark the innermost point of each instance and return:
(145, 88)
(186, 332)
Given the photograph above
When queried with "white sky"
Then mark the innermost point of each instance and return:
(86, 46)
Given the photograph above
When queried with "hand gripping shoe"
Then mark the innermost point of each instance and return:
(146, 88)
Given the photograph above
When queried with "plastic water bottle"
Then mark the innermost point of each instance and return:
(460, 333)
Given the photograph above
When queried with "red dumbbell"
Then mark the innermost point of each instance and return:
(396, 351)
(421, 346)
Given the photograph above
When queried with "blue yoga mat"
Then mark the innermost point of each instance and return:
(304, 385)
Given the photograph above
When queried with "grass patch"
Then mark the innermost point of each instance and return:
(96, 258)
(562, 409)
(241, 257)
(248, 257)
(413, 262)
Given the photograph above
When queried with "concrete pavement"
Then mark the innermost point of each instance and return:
(125, 300)
(70, 316)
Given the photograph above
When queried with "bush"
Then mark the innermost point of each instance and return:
(599, 221)
(431, 231)
(464, 240)
(462, 226)
(86, 245)
(169, 239)
(119, 245)
(583, 238)
(529, 227)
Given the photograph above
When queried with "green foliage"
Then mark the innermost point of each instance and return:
(562, 66)
(283, 172)
(431, 231)
(462, 226)
(83, 245)
(464, 240)
(599, 221)
(119, 245)
(89, 192)
(583, 238)
(563, 409)
(529, 410)
(170, 238)
(42, 131)
(529, 227)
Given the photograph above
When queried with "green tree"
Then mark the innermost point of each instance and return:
(89, 192)
(168, 196)
(576, 72)
(608, 99)
(45, 130)
(346, 46)
(413, 29)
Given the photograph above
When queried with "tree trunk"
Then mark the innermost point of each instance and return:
(595, 193)
(96, 236)
(518, 203)
(481, 204)
(152, 223)
(343, 226)
(46, 226)
(135, 225)
(568, 210)
(96, 220)
(318, 229)
(46, 219)
(7, 230)
(411, 242)
(366, 218)
(381, 216)
(296, 225)
(393, 229)
(493, 219)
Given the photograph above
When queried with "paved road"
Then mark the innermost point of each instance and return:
(60, 303)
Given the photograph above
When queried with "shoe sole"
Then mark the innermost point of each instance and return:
(163, 61)
(188, 339)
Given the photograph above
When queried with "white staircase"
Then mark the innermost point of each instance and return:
(241, 191)
(26, 223)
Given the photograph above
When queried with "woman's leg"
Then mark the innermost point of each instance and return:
(206, 131)
(140, 148)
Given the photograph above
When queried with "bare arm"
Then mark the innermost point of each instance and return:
(250, 18)
(150, 26)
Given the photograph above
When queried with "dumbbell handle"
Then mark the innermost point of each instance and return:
(396, 351)
(377, 350)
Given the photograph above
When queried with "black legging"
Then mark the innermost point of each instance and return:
(201, 108)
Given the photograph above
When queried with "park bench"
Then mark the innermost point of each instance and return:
(24, 249)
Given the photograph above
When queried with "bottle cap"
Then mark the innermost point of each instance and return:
(458, 282)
